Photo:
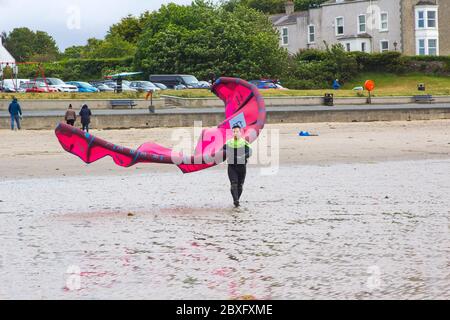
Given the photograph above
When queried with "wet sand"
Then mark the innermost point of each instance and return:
(360, 212)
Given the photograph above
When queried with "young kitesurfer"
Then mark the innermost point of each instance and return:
(237, 151)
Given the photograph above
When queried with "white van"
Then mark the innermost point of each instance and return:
(12, 85)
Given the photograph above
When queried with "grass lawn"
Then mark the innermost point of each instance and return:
(386, 85)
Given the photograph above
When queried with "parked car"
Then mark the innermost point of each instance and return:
(83, 86)
(125, 88)
(58, 84)
(144, 86)
(204, 84)
(160, 85)
(264, 84)
(174, 80)
(37, 87)
(102, 87)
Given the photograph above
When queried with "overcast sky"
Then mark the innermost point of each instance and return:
(72, 22)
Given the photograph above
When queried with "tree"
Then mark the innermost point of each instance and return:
(112, 47)
(266, 6)
(271, 6)
(74, 52)
(204, 38)
(128, 29)
(24, 45)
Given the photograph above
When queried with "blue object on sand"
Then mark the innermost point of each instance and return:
(304, 134)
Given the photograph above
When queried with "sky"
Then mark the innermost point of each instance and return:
(72, 22)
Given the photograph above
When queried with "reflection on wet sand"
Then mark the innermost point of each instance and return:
(358, 231)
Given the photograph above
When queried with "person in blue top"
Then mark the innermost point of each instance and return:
(237, 151)
(336, 84)
(16, 113)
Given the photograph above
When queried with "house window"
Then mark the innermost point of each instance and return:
(432, 47)
(348, 46)
(384, 46)
(384, 21)
(427, 19)
(285, 36)
(422, 51)
(421, 19)
(362, 23)
(431, 19)
(363, 47)
(339, 26)
(311, 34)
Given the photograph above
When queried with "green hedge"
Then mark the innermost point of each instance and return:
(78, 69)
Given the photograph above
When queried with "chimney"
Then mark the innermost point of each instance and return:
(289, 6)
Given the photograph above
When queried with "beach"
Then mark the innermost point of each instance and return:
(34, 154)
(360, 211)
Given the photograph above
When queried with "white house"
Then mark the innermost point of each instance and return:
(413, 27)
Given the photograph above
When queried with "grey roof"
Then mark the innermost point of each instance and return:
(284, 19)
(426, 2)
(332, 2)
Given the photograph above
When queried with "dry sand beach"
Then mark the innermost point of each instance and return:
(31, 154)
(359, 212)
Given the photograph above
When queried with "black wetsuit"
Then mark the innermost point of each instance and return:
(237, 154)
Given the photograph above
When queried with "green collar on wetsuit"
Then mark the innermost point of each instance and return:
(237, 144)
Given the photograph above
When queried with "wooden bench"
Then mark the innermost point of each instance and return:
(123, 103)
(424, 98)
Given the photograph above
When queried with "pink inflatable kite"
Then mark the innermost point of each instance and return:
(244, 105)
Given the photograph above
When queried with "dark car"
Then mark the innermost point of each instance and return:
(174, 81)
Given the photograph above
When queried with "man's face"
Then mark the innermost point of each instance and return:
(237, 133)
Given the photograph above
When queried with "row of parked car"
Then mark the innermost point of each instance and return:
(156, 83)
(41, 85)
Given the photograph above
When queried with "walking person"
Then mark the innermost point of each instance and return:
(237, 152)
(71, 116)
(85, 115)
(16, 113)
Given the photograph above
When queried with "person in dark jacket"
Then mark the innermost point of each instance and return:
(85, 115)
(16, 113)
(237, 151)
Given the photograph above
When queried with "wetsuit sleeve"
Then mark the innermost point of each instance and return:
(20, 109)
(248, 151)
(10, 109)
(224, 152)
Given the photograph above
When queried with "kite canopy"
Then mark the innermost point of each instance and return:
(244, 106)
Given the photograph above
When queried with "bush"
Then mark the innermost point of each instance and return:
(315, 69)
(439, 65)
(391, 62)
